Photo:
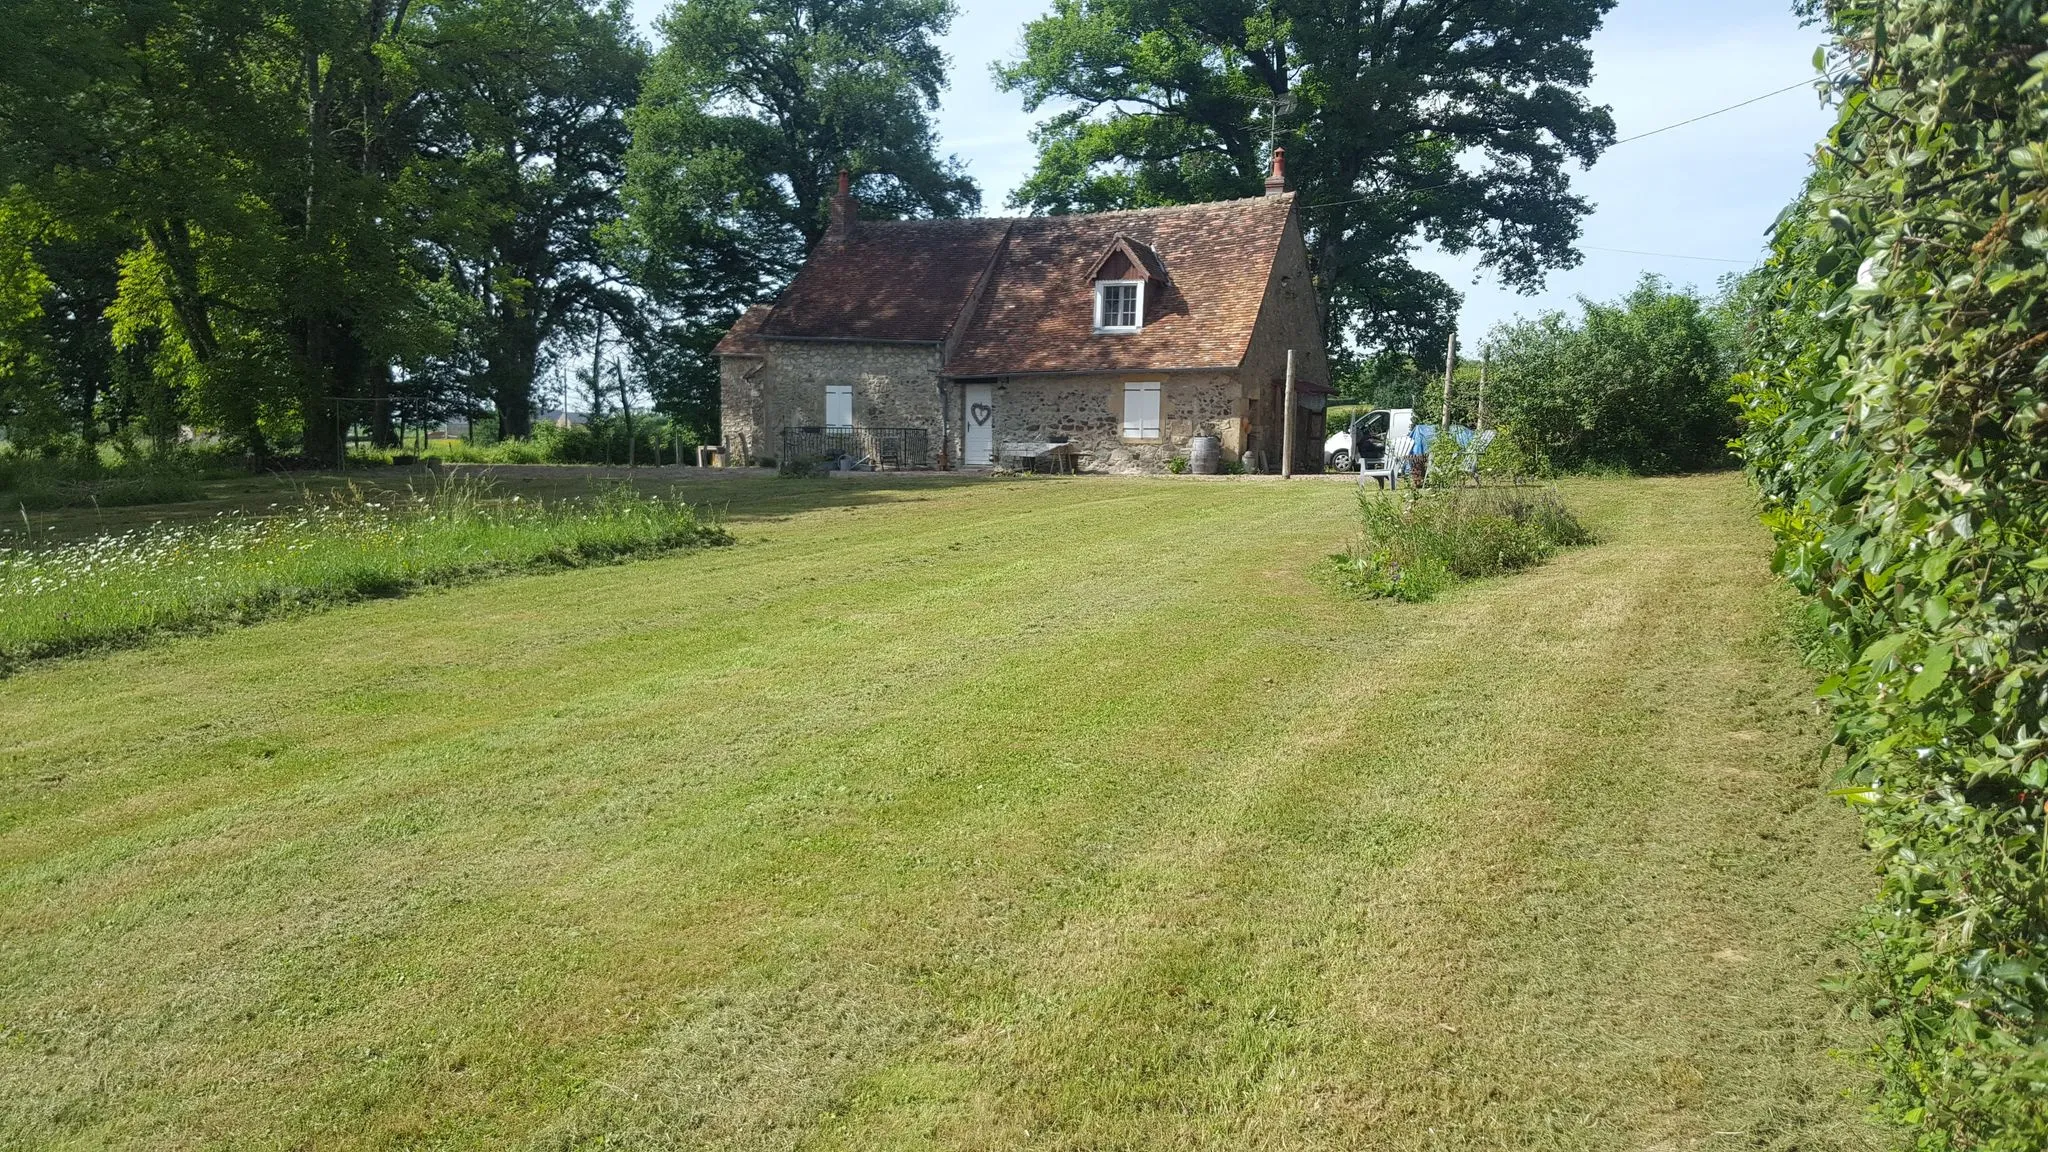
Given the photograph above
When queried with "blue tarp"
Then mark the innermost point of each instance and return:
(1425, 435)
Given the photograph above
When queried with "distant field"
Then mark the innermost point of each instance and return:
(949, 815)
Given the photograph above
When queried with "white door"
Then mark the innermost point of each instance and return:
(980, 449)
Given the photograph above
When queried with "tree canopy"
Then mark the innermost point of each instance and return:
(315, 215)
(1452, 121)
(279, 221)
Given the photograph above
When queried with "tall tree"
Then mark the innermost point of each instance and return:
(141, 120)
(256, 153)
(289, 172)
(750, 110)
(353, 290)
(1451, 121)
(527, 123)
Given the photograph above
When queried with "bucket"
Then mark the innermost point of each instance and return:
(1205, 455)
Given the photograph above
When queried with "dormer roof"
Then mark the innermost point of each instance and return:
(1129, 259)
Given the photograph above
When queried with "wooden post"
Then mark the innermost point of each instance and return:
(1287, 424)
(1450, 371)
(1485, 362)
(626, 406)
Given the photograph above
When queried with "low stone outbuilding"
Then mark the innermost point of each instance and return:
(1118, 335)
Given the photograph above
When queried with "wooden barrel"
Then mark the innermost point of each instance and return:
(1205, 455)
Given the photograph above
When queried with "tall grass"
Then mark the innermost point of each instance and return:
(652, 441)
(120, 589)
(1416, 545)
(38, 482)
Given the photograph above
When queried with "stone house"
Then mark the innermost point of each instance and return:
(1119, 334)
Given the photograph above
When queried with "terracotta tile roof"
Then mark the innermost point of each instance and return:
(744, 337)
(909, 280)
(892, 280)
(1038, 315)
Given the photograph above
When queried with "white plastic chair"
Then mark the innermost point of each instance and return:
(1387, 469)
(1468, 457)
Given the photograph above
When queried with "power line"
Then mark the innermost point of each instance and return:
(1618, 143)
(1719, 111)
(1664, 255)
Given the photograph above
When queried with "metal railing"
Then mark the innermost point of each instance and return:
(882, 449)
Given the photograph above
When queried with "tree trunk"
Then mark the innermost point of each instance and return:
(382, 433)
(626, 406)
(597, 385)
(512, 368)
(335, 362)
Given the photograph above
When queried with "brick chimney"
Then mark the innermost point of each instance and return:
(1277, 182)
(845, 209)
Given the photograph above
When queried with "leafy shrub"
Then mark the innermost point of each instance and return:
(653, 440)
(1415, 545)
(39, 482)
(1641, 385)
(1897, 423)
(606, 441)
(1511, 457)
(1178, 465)
(493, 452)
(236, 567)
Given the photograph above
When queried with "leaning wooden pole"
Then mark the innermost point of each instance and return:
(1287, 424)
(1450, 371)
(1485, 364)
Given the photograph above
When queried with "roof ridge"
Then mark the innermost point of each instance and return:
(1286, 198)
(1164, 209)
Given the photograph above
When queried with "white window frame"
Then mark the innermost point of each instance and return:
(845, 390)
(1102, 297)
(1136, 428)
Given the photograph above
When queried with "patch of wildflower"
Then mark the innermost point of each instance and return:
(237, 565)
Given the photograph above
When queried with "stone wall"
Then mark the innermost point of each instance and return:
(1088, 412)
(894, 386)
(1289, 318)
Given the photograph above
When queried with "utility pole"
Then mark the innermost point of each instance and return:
(1485, 362)
(1287, 424)
(626, 406)
(1450, 371)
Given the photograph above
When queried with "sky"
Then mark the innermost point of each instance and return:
(1701, 197)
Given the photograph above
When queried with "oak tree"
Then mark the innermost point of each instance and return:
(1451, 121)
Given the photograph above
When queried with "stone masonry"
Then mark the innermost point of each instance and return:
(1087, 411)
(894, 386)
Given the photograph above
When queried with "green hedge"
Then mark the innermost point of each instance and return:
(1898, 425)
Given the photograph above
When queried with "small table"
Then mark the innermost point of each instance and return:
(1058, 455)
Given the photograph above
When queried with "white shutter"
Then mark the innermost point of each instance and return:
(1141, 411)
(839, 407)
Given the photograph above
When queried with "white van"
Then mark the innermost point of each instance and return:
(1367, 437)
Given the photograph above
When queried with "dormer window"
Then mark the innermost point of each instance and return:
(1123, 277)
(1119, 305)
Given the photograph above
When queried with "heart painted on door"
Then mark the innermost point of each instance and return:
(981, 413)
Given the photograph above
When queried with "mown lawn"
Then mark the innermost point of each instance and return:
(1052, 815)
